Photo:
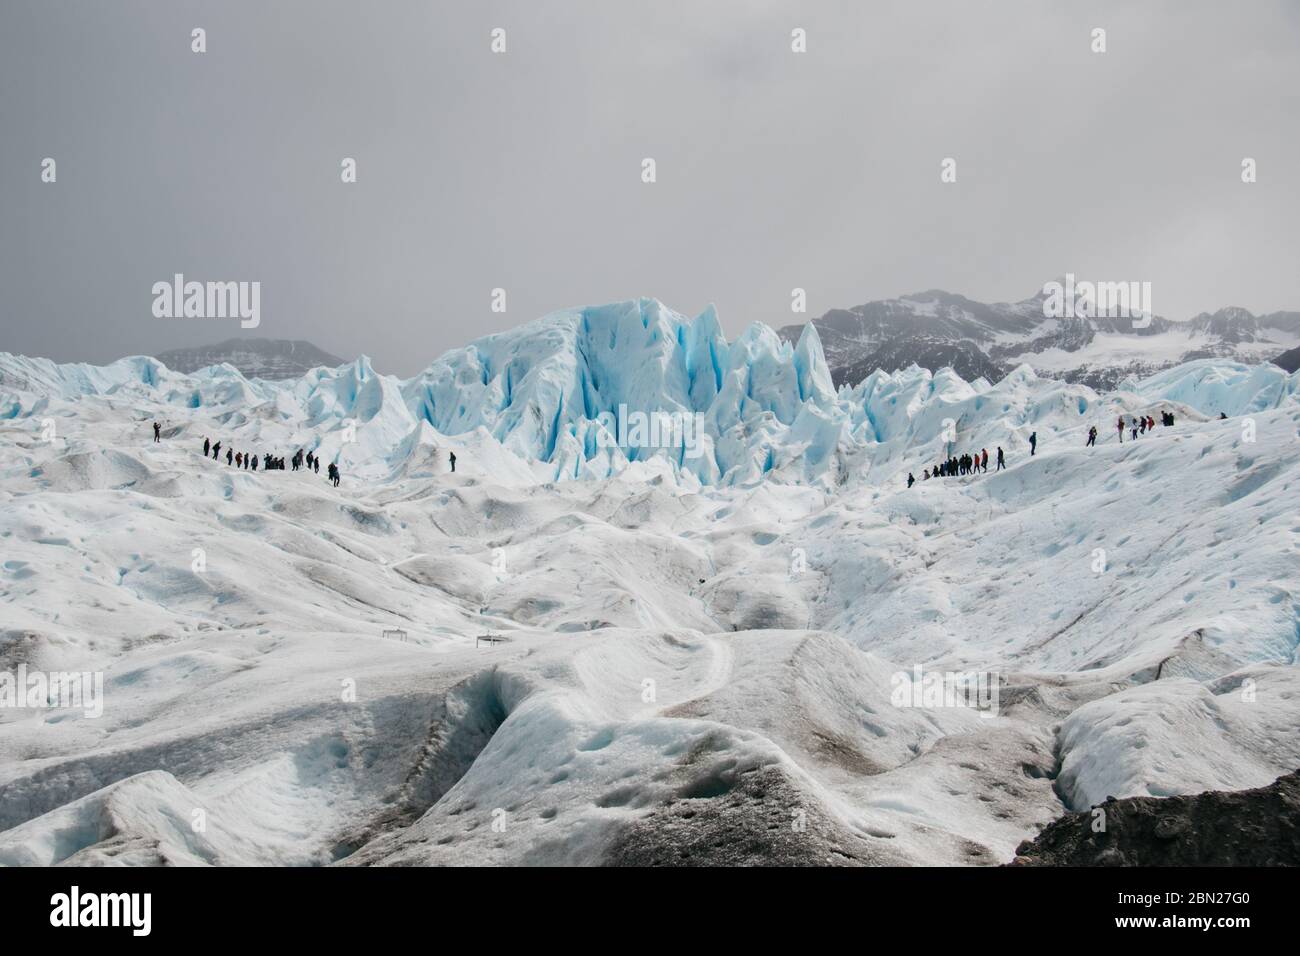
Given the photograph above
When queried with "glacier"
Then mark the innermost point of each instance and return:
(541, 394)
(695, 655)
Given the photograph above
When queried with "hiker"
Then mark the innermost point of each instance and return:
(1133, 435)
(254, 457)
(157, 433)
(1121, 429)
(1002, 463)
(207, 447)
(239, 460)
(1033, 443)
(216, 451)
(316, 464)
(984, 461)
(453, 462)
(1222, 416)
(1092, 436)
(910, 480)
(925, 475)
(230, 455)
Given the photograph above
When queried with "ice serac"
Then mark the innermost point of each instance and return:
(810, 364)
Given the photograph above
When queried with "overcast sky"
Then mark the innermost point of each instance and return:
(523, 170)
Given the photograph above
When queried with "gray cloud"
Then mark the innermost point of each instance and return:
(522, 171)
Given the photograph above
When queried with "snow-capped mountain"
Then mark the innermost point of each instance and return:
(254, 357)
(935, 329)
(691, 652)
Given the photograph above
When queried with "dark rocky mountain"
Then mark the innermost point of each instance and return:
(1289, 360)
(934, 329)
(255, 358)
(1217, 828)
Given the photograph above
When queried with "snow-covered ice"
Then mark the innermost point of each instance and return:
(699, 645)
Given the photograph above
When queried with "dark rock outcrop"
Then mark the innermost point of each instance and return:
(1216, 828)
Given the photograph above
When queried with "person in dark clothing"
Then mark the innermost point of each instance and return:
(1133, 432)
(984, 461)
(230, 456)
(239, 460)
(1222, 416)
(1092, 436)
(452, 458)
(207, 446)
(216, 451)
(910, 480)
(1121, 429)
(157, 433)
(316, 464)
(254, 457)
(1033, 443)
(1002, 463)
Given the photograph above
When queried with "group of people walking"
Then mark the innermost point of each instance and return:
(966, 464)
(1136, 424)
(969, 464)
(248, 461)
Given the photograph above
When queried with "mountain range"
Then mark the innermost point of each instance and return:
(937, 329)
(254, 357)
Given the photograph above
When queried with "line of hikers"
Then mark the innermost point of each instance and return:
(967, 464)
(248, 460)
(1136, 424)
(975, 464)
